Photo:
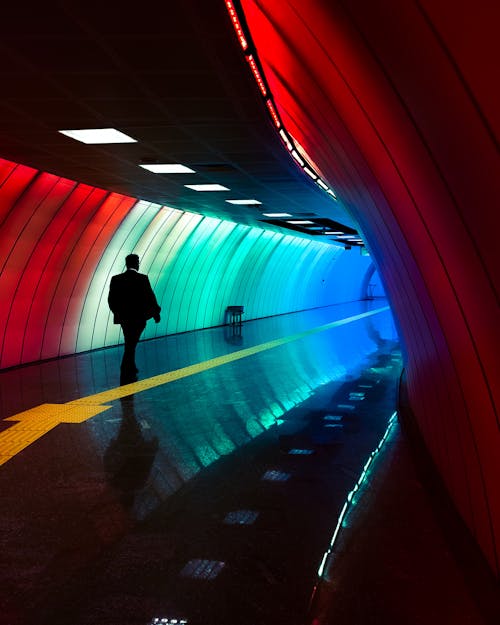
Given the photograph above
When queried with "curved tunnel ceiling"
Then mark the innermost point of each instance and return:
(173, 78)
(397, 104)
(392, 101)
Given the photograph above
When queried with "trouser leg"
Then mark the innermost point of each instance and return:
(132, 333)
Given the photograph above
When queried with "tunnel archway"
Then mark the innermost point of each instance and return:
(390, 100)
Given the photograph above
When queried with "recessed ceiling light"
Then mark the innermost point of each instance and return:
(274, 115)
(333, 232)
(286, 140)
(257, 75)
(297, 157)
(310, 173)
(168, 168)
(98, 135)
(276, 214)
(206, 187)
(299, 222)
(244, 202)
(236, 24)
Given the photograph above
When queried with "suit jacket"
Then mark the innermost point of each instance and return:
(131, 297)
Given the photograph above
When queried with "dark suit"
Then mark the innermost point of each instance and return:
(132, 302)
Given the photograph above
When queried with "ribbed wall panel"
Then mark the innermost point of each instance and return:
(199, 265)
(94, 328)
(396, 102)
(13, 181)
(62, 241)
(81, 268)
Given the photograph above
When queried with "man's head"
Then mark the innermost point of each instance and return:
(132, 261)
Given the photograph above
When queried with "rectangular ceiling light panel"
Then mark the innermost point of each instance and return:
(98, 135)
(244, 202)
(206, 187)
(168, 168)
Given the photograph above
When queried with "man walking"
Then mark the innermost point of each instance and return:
(132, 302)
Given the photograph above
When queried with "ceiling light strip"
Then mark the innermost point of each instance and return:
(286, 140)
(274, 114)
(257, 75)
(352, 499)
(236, 23)
(252, 59)
(298, 158)
(310, 173)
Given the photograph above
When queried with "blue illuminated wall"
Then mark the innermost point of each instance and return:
(200, 265)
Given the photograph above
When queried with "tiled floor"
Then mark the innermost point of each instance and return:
(211, 496)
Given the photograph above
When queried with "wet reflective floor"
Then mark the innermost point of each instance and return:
(208, 491)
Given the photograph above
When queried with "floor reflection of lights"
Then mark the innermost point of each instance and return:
(202, 569)
(274, 475)
(241, 517)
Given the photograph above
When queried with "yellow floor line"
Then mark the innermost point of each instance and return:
(32, 424)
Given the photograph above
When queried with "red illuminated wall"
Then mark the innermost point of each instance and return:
(53, 232)
(397, 103)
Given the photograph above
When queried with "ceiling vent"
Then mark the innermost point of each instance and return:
(316, 226)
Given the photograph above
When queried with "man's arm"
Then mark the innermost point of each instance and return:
(152, 307)
(112, 295)
(114, 299)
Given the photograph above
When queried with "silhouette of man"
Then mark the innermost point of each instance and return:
(132, 302)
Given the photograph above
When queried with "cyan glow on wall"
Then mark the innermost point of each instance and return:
(288, 375)
(62, 241)
(95, 326)
(200, 265)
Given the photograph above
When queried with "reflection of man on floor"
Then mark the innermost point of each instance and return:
(132, 303)
(130, 456)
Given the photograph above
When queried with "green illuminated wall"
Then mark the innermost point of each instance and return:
(62, 241)
(200, 265)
